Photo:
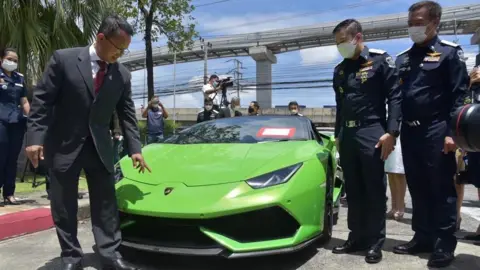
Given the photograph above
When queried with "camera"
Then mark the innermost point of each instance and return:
(225, 82)
(465, 126)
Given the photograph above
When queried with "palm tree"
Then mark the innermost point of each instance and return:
(36, 28)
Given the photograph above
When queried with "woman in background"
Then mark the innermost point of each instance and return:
(460, 157)
(14, 108)
(397, 182)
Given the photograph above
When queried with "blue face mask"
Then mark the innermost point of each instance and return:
(215, 84)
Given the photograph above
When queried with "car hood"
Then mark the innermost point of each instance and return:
(211, 164)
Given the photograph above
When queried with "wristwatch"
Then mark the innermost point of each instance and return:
(394, 133)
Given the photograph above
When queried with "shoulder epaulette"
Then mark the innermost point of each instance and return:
(446, 42)
(215, 111)
(20, 74)
(403, 52)
(377, 51)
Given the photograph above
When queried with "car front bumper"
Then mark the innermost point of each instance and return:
(230, 220)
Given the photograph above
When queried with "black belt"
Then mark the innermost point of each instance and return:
(423, 122)
(359, 123)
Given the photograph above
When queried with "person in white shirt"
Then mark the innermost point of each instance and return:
(213, 90)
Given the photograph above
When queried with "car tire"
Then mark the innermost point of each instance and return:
(328, 218)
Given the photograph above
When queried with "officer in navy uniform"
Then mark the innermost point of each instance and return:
(208, 112)
(434, 82)
(14, 107)
(363, 82)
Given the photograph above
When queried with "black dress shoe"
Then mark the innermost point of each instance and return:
(120, 264)
(349, 247)
(413, 247)
(440, 258)
(374, 255)
(72, 266)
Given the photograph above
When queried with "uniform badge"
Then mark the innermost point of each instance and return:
(400, 82)
(340, 89)
(364, 77)
(434, 54)
(340, 73)
(4, 86)
(367, 64)
(390, 62)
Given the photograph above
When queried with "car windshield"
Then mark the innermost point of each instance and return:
(245, 129)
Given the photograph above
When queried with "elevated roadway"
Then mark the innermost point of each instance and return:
(263, 46)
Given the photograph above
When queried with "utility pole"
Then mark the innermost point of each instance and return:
(205, 59)
(237, 74)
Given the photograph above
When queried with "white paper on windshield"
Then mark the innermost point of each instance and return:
(276, 132)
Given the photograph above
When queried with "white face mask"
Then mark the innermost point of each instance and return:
(347, 49)
(208, 107)
(9, 65)
(418, 34)
(294, 111)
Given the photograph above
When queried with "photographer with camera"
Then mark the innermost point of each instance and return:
(213, 90)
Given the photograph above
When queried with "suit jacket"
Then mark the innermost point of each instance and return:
(115, 125)
(65, 110)
(225, 113)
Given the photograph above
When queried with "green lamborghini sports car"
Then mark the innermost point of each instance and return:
(232, 187)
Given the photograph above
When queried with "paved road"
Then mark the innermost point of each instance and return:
(40, 251)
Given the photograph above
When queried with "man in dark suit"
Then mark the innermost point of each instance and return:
(68, 127)
(231, 110)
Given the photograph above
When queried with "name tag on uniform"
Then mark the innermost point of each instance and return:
(431, 59)
(366, 68)
(19, 84)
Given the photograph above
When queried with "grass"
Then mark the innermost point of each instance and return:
(26, 187)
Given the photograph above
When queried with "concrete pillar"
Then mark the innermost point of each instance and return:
(476, 40)
(264, 59)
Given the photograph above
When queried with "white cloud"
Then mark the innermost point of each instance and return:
(319, 55)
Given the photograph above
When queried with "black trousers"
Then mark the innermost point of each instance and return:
(429, 174)
(365, 183)
(103, 206)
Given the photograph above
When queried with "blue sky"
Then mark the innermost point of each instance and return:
(247, 16)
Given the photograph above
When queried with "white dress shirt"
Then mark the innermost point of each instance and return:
(94, 58)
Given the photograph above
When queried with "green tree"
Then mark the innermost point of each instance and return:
(170, 19)
(36, 28)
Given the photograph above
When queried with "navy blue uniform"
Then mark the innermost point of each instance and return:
(361, 88)
(434, 83)
(12, 128)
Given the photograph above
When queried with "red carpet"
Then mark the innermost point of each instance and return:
(25, 222)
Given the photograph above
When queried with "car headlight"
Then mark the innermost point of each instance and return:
(117, 173)
(274, 178)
